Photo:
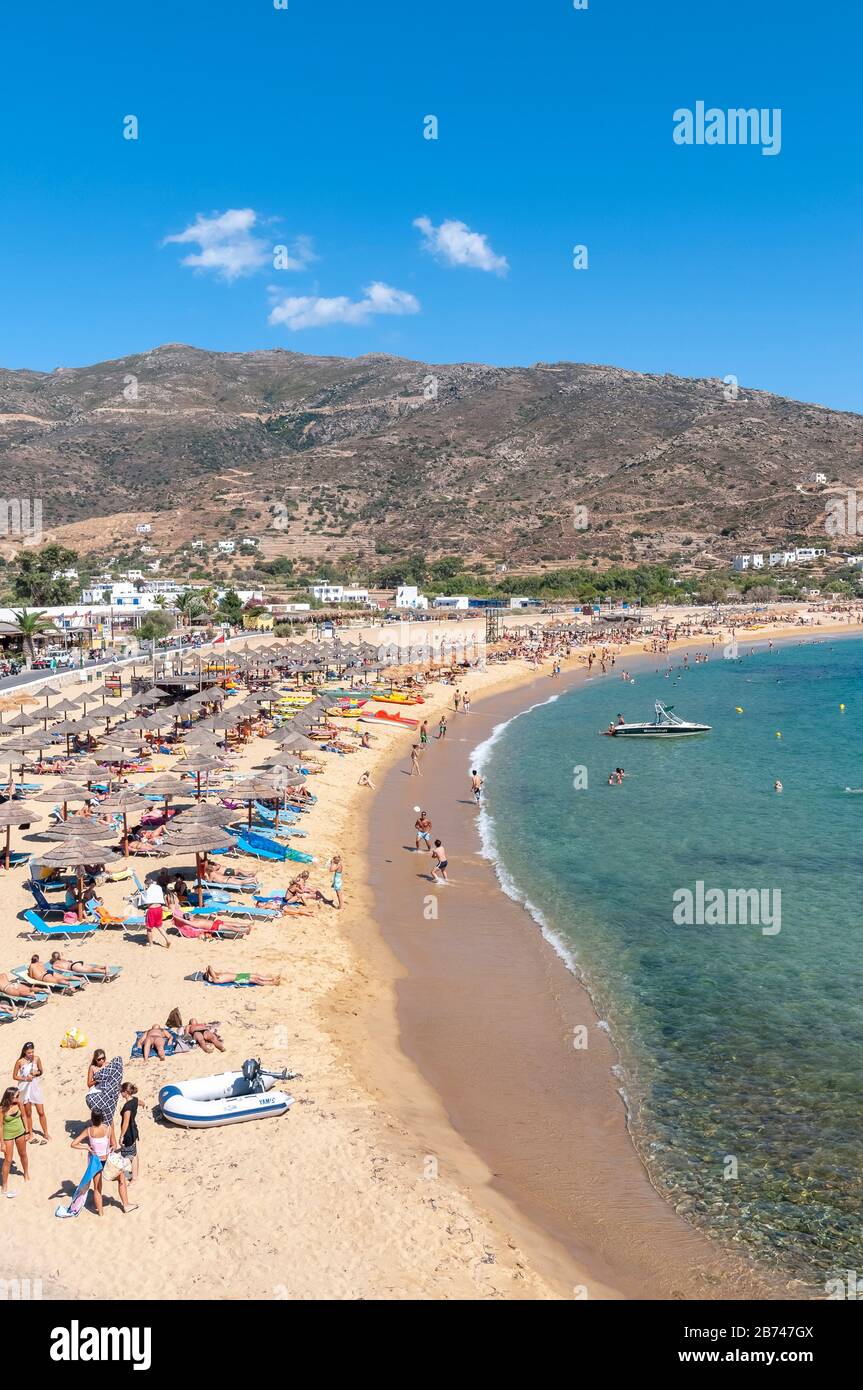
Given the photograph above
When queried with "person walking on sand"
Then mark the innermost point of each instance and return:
(129, 1126)
(465, 702)
(441, 728)
(422, 826)
(153, 925)
(439, 863)
(415, 761)
(476, 782)
(336, 867)
(14, 1136)
(424, 733)
(28, 1073)
(456, 700)
(100, 1140)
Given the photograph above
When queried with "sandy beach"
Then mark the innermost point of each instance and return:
(410, 1164)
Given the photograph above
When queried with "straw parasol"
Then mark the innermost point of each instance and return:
(62, 793)
(202, 839)
(297, 742)
(127, 802)
(77, 852)
(21, 720)
(14, 813)
(198, 765)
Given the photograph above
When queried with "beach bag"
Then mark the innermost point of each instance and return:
(116, 1165)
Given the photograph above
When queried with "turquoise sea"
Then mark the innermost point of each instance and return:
(741, 1051)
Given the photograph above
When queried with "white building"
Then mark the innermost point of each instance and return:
(65, 574)
(521, 603)
(409, 596)
(747, 562)
(227, 547)
(819, 478)
(120, 593)
(198, 545)
(459, 601)
(808, 552)
(782, 558)
(338, 593)
(143, 528)
(250, 540)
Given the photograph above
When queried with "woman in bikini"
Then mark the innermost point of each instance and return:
(200, 1033)
(155, 1037)
(14, 1136)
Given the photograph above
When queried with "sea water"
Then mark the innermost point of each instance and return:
(741, 1048)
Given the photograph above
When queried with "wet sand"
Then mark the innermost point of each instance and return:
(486, 1011)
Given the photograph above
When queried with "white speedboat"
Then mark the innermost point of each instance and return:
(665, 725)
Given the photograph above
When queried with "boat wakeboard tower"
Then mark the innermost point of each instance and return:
(666, 724)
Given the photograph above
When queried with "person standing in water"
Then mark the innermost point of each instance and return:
(422, 827)
(336, 867)
(439, 863)
(476, 782)
(424, 733)
(415, 761)
(441, 728)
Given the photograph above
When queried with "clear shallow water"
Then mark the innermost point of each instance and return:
(735, 1045)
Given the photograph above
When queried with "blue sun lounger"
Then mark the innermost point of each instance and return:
(262, 847)
(231, 908)
(57, 931)
(61, 984)
(46, 908)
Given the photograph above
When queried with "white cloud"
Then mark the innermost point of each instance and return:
(454, 243)
(313, 311)
(228, 247)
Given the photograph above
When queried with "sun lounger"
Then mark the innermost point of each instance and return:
(232, 908)
(23, 1005)
(93, 977)
(16, 859)
(234, 885)
(262, 847)
(60, 931)
(61, 984)
(6, 1018)
(45, 908)
(108, 919)
(215, 930)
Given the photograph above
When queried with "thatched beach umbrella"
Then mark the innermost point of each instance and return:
(200, 839)
(77, 853)
(14, 813)
(126, 802)
(198, 765)
(62, 793)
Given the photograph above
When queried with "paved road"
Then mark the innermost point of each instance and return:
(25, 678)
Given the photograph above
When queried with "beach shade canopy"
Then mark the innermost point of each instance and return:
(62, 793)
(76, 853)
(127, 803)
(297, 741)
(22, 720)
(199, 765)
(81, 828)
(194, 836)
(14, 813)
(66, 706)
(147, 697)
(164, 785)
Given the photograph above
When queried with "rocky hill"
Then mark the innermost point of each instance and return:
(321, 455)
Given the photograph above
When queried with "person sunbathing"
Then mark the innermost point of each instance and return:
(299, 890)
(155, 1037)
(227, 977)
(76, 967)
(38, 970)
(214, 873)
(16, 989)
(204, 1036)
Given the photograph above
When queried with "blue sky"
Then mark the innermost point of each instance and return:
(555, 130)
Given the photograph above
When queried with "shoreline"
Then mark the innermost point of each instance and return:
(650, 1251)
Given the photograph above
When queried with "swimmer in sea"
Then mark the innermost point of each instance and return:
(777, 785)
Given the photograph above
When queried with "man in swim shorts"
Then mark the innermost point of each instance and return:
(422, 826)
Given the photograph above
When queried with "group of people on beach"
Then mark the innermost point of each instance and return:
(113, 1153)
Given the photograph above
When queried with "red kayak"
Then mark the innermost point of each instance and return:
(384, 716)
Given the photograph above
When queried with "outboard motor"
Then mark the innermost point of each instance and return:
(252, 1073)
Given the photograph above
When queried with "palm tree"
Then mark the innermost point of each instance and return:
(190, 605)
(30, 624)
(161, 601)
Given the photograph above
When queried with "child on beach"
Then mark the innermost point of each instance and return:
(336, 866)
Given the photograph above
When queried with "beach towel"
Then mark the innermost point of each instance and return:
(170, 1047)
(79, 1196)
(105, 1095)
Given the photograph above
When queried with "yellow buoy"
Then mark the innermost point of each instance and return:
(738, 709)
(778, 735)
(842, 707)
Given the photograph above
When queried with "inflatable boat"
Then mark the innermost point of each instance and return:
(227, 1099)
(385, 717)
